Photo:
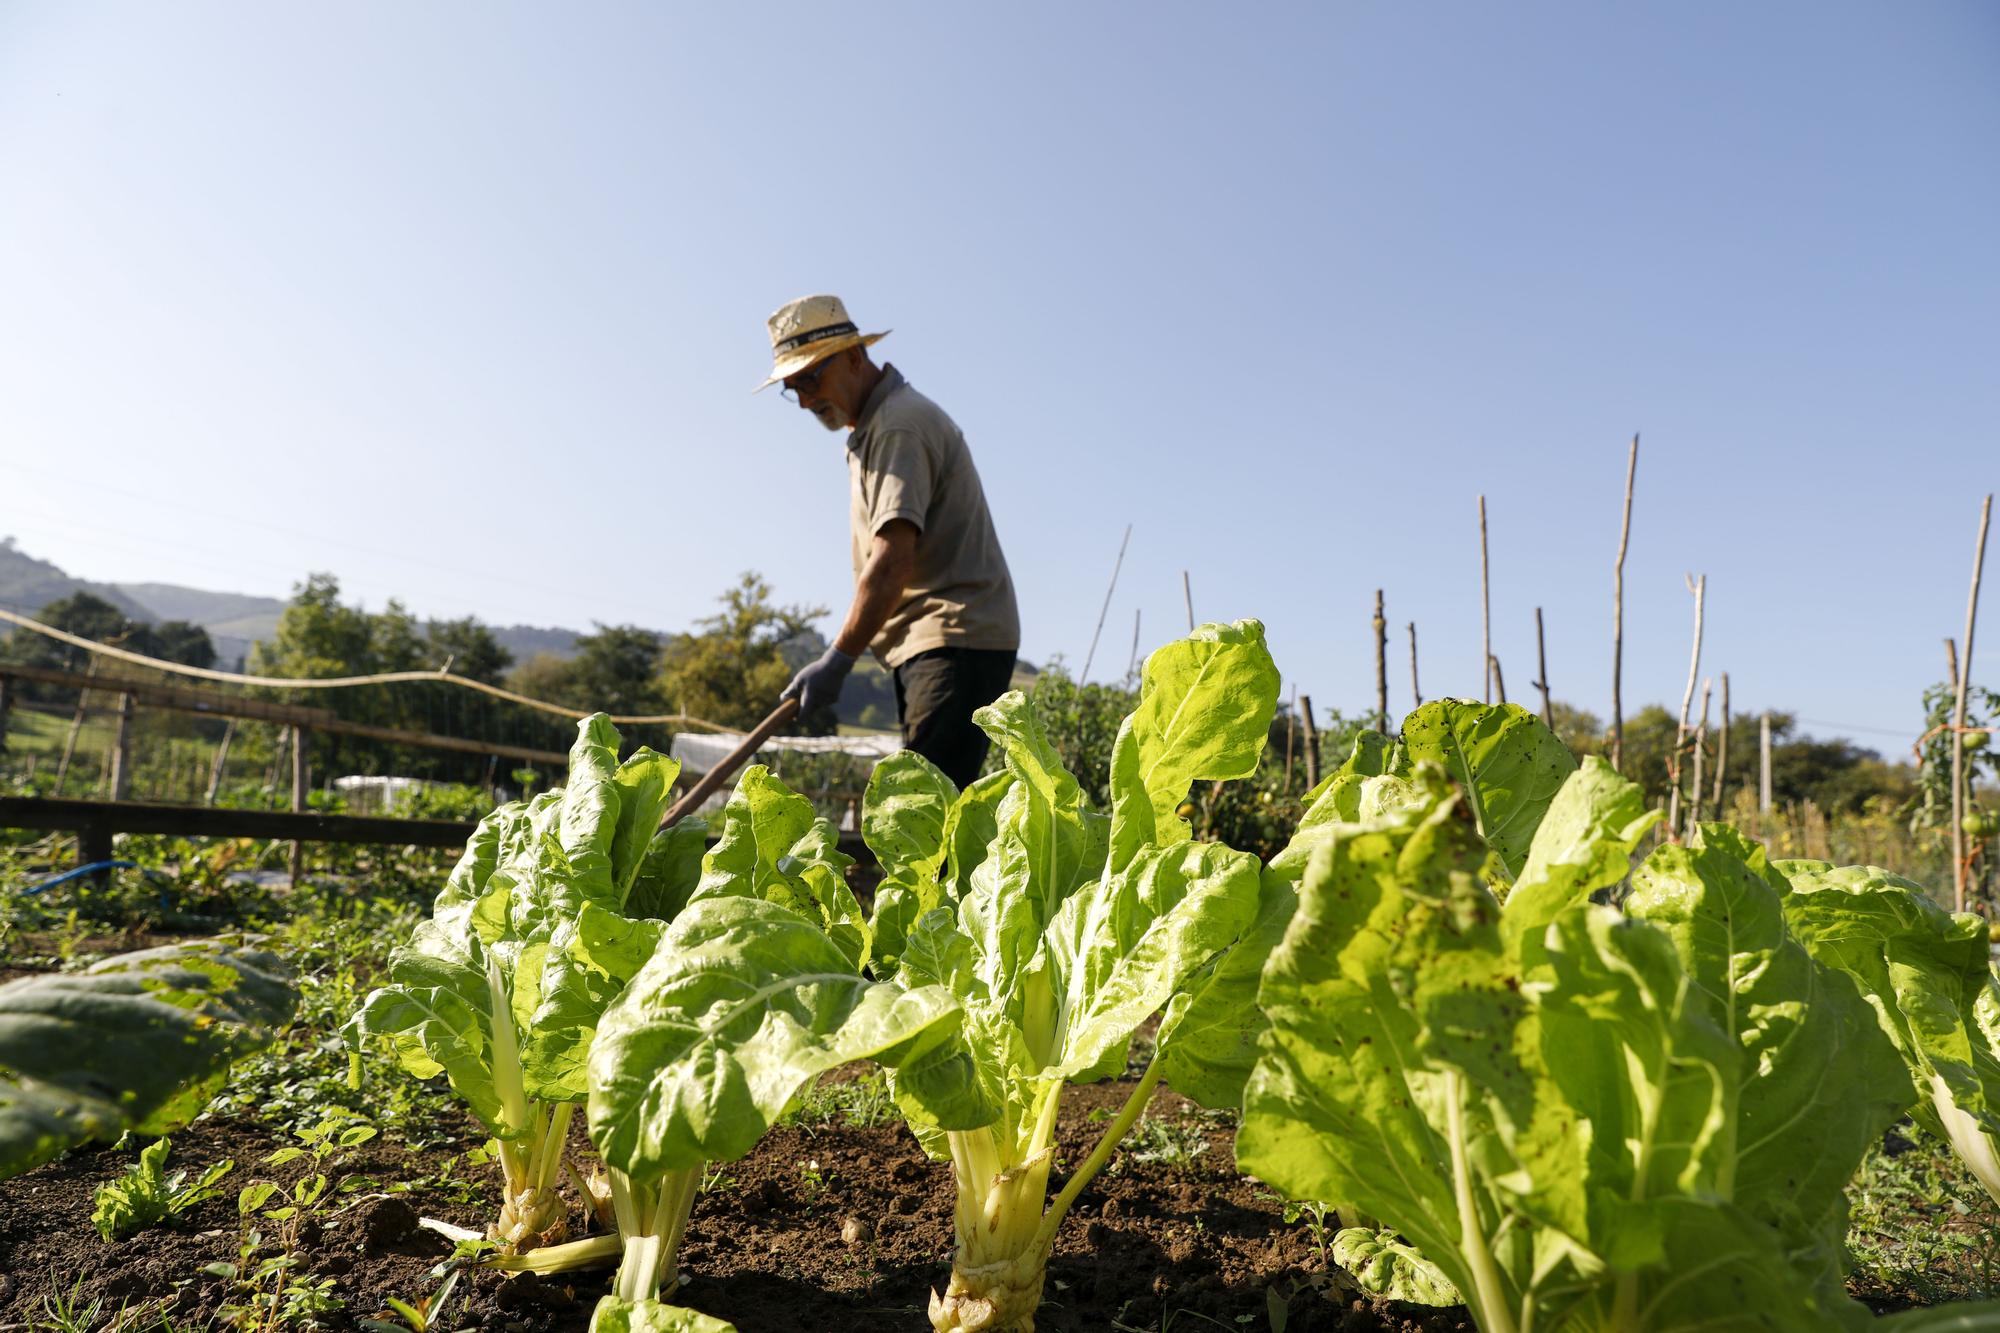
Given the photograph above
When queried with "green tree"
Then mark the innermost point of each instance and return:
(470, 648)
(733, 667)
(317, 636)
(617, 670)
(176, 641)
(547, 677)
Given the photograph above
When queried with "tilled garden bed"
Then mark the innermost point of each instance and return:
(830, 1227)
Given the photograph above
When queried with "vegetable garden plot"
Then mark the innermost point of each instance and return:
(1474, 1078)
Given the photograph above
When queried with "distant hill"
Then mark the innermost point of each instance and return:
(27, 585)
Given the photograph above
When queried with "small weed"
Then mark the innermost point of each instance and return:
(66, 1313)
(1173, 1142)
(861, 1102)
(1920, 1229)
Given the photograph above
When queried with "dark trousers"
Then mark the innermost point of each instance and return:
(936, 694)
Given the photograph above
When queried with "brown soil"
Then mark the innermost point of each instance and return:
(780, 1246)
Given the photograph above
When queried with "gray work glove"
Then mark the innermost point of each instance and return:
(819, 683)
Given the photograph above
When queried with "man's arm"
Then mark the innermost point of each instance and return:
(892, 560)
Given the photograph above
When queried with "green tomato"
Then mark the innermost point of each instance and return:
(1972, 824)
(1972, 741)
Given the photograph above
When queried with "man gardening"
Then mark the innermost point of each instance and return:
(932, 596)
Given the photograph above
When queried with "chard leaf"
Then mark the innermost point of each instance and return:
(969, 829)
(670, 870)
(584, 968)
(139, 1041)
(1124, 944)
(642, 784)
(1583, 843)
(1209, 1035)
(741, 1005)
(1923, 971)
(904, 816)
(1384, 1264)
(1819, 1082)
(1509, 765)
(773, 846)
(1204, 713)
(1040, 831)
(1337, 1107)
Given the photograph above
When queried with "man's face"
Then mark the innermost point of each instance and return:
(825, 390)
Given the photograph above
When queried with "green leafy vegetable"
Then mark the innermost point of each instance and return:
(1558, 1105)
(500, 990)
(145, 1194)
(1069, 931)
(1927, 975)
(140, 1041)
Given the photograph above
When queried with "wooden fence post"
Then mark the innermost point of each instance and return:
(121, 752)
(1309, 734)
(1499, 681)
(299, 788)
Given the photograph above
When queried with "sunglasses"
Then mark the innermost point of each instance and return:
(805, 379)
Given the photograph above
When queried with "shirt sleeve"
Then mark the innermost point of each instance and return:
(904, 473)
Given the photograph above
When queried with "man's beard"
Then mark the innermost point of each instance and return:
(829, 416)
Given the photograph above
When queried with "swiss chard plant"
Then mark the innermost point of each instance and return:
(1928, 975)
(141, 1041)
(491, 992)
(1058, 930)
(1570, 1116)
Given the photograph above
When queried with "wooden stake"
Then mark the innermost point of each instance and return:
(1291, 725)
(1951, 663)
(6, 708)
(1187, 596)
(1485, 613)
(1309, 735)
(1618, 613)
(1722, 749)
(1700, 747)
(1499, 681)
(221, 762)
(1764, 763)
(1958, 855)
(1132, 662)
(1542, 663)
(75, 728)
(299, 788)
(1102, 611)
(121, 752)
(1698, 587)
(1381, 667)
(1416, 690)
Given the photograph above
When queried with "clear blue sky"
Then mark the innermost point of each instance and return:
(464, 302)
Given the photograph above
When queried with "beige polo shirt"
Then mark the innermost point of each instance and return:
(906, 459)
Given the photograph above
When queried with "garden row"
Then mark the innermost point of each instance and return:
(1564, 1092)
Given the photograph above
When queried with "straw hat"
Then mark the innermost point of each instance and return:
(809, 330)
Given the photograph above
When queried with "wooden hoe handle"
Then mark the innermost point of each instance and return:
(732, 761)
